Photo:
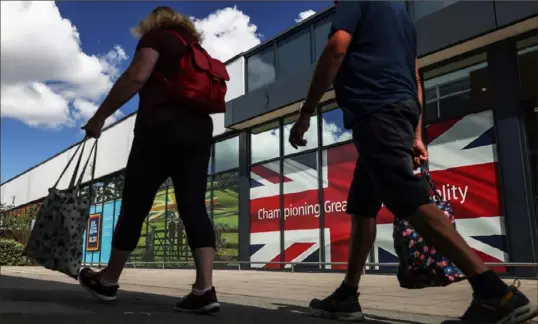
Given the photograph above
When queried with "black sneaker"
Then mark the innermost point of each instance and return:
(335, 307)
(514, 307)
(91, 281)
(203, 304)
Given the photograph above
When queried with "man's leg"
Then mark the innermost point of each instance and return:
(143, 176)
(389, 161)
(363, 235)
(363, 205)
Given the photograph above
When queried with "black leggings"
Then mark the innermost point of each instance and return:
(154, 157)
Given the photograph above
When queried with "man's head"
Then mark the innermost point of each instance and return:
(165, 17)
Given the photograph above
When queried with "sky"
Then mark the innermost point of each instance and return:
(58, 61)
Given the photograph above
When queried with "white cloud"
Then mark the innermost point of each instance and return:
(227, 32)
(49, 82)
(84, 110)
(45, 76)
(304, 14)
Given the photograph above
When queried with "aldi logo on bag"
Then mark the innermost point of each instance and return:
(93, 234)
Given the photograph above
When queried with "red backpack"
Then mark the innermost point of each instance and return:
(201, 81)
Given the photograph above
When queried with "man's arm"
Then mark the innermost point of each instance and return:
(343, 27)
(418, 131)
(130, 82)
(327, 68)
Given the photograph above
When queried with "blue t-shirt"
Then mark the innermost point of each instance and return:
(379, 66)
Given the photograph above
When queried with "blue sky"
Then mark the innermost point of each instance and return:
(102, 25)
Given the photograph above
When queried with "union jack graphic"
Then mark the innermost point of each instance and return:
(463, 165)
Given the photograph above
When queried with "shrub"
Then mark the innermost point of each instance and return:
(12, 253)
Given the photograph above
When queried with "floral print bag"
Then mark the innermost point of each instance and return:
(57, 235)
(421, 265)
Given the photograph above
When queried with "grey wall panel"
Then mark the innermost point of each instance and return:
(228, 115)
(250, 105)
(274, 96)
(508, 12)
(454, 24)
(290, 89)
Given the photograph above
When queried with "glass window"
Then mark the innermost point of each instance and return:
(226, 215)
(462, 85)
(455, 86)
(265, 214)
(109, 190)
(430, 94)
(85, 191)
(178, 245)
(208, 197)
(227, 154)
(97, 193)
(210, 167)
(321, 35)
(261, 69)
(339, 161)
(265, 142)
(332, 127)
(456, 105)
(156, 241)
(424, 8)
(120, 179)
(311, 135)
(301, 208)
(294, 53)
(431, 111)
(462, 145)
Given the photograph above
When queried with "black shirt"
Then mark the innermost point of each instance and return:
(379, 67)
(156, 106)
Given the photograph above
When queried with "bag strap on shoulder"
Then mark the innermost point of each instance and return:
(178, 36)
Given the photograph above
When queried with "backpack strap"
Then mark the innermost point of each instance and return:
(180, 38)
(159, 76)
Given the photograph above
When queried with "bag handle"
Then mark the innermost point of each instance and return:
(425, 172)
(69, 163)
(77, 166)
(81, 177)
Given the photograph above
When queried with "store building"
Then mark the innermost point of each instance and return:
(272, 203)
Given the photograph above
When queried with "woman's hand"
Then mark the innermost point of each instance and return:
(94, 127)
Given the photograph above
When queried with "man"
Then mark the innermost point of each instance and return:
(371, 57)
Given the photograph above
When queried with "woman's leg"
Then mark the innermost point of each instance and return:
(143, 176)
(190, 182)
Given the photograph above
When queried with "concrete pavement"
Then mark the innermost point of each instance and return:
(33, 294)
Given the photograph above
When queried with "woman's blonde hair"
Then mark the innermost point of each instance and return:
(165, 17)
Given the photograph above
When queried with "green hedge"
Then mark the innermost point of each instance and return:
(12, 253)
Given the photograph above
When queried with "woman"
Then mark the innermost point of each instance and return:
(170, 140)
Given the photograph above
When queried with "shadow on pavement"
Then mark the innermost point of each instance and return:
(24, 300)
(369, 318)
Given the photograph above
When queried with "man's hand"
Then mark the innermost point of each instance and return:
(298, 130)
(421, 153)
(94, 127)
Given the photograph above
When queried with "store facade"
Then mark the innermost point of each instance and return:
(273, 205)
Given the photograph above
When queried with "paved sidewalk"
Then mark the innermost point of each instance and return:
(28, 294)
